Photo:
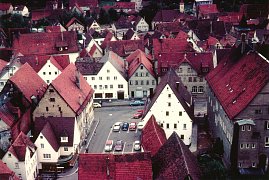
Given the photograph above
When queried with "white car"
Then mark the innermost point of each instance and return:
(96, 105)
(141, 125)
(116, 127)
(109, 145)
(137, 146)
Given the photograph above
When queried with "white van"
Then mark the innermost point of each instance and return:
(97, 105)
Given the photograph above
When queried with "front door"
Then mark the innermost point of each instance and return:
(120, 94)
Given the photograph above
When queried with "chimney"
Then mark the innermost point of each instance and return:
(243, 42)
(177, 85)
(77, 79)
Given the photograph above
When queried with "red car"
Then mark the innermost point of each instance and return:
(132, 126)
(137, 115)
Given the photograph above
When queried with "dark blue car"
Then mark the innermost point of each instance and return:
(125, 126)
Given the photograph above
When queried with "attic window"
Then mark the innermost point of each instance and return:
(51, 90)
(205, 69)
(64, 139)
(60, 49)
(234, 101)
(141, 67)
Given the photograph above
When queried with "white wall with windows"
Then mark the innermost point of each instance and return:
(108, 83)
(171, 115)
(45, 152)
(23, 169)
(49, 72)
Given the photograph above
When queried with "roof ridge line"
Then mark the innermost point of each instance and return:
(157, 133)
(184, 158)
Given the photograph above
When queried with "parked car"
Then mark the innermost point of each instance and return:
(109, 145)
(125, 126)
(96, 105)
(137, 115)
(132, 126)
(119, 145)
(141, 125)
(137, 146)
(116, 127)
(137, 103)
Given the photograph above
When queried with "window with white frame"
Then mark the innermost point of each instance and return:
(184, 126)
(17, 166)
(65, 148)
(247, 146)
(241, 146)
(42, 145)
(194, 89)
(249, 127)
(253, 164)
(243, 128)
(64, 139)
(266, 124)
(169, 104)
(201, 89)
(253, 146)
(46, 156)
(240, 164)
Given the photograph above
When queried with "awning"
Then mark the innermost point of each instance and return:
(245, 121)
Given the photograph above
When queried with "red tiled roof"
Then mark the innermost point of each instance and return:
(125, 47)
(153, 136)
(2, 64)
(84, 3)
(231, 17)
(166, 16)
(22, 125)
(5, 6)
(72, 21)
(136, 59)
(46, 43)
(122, 166)
(182, 35)
(228, 41)
(65, 84)
(174, 160)
(40, 14)
(25, 76)
(196, 60)
(238, 79)
(6, 173)
(53, 28)
(53, 128)
(208, 9)
(18, 148)
(124, 5)
(92, 50)
(108, 38)
(38, 61)
(170, 46)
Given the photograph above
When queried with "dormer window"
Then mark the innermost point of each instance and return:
(205, 69)
(60, 49)
(64, 139)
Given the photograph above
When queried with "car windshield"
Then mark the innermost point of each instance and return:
(132, 124)
(118, 143)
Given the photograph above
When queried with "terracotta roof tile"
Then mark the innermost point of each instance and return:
(92, 50)
(89, 67)
(22, 125)
(171, 46)
(84, 3)
(6, 173)
(96, 166)
(184, 97)
(196, 60)
(53, 127)
(108, 38)
(73, 20)
(153, 136)
(46, 43)
(125, 47)
(5, 6)
(53, 28)
(38, 61)
(136, 59)
(166, 16)
(238, 79)
(65, 85)
(25, 76)
(18, 147)
(2, 64)
(175, 161)
(206, 9)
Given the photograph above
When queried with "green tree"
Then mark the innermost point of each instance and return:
(103, 17)
(113, 14)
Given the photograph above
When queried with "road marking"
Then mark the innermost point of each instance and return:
(87, 145)
(136, 130)
(133, 148)
(128, 131)
(123, 147)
